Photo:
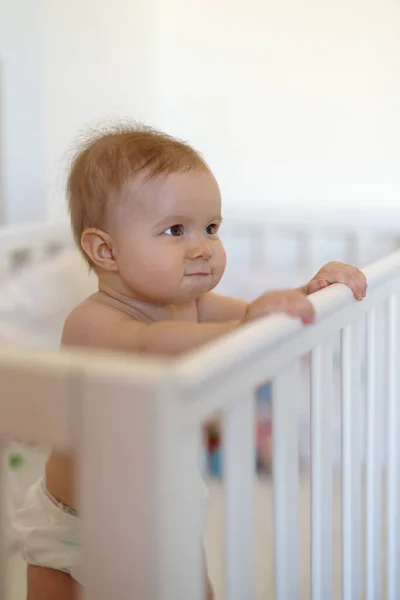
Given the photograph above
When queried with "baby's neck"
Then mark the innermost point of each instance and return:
(141, 310)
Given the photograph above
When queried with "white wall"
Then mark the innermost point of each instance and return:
(22, 144)
(291, 102)
(99, 62)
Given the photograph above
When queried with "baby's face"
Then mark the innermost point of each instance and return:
(166, 241)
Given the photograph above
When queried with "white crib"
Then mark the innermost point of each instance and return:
(30, 244)
(150, 413)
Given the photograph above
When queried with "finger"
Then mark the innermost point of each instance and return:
(348, 275)
(362, 282)
(302, 308)
(357, 282)
(317, 284)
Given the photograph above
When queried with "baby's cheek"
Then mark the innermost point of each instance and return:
(219, 260)
(168, 273)
(222, 254)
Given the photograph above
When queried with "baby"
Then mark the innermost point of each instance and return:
(146, 213)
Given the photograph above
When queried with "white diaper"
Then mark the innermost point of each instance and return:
(48, 534)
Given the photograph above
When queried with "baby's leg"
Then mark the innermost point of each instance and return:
(210, 593)
(49, 584)
(208, 587)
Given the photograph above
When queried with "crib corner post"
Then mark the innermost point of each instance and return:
(138, 479)
(114, 411)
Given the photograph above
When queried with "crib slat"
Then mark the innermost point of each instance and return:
(393, 425)
(351, 464)
(239, 467)
(321, 461)
(286, 483)
(356, 248)
(257, 239)
(307, 249)
(373, 538)
(189, 556)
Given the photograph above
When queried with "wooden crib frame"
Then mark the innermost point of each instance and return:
(146, 415)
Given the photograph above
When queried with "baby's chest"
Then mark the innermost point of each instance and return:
(186, 312)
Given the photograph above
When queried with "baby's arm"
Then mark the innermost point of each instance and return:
(103, 328)
(99, 326)
(215, 308)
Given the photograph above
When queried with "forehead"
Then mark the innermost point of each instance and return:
(195, 193)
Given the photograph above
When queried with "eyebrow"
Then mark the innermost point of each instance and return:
(177, 219)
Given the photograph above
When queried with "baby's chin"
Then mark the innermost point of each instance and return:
(196, 286)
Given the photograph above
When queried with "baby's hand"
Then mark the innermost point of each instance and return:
(336, 272)
(289, 302)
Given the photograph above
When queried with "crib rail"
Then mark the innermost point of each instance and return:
(299, 242)
(305, 240)
(31, 243)
(136, 426)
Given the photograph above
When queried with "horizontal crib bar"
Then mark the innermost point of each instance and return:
(31, 242)
(269, 345)
(265, 346)
(334, 219)
(41, 386)
(35, 399)
(335, 308)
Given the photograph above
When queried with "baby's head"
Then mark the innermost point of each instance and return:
(145, 210)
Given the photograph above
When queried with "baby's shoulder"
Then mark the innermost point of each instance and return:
(87, 324)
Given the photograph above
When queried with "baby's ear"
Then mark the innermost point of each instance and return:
(98, 246)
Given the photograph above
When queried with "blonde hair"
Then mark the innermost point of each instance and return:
(108, 159)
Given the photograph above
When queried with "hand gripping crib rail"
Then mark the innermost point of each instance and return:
(135, 425)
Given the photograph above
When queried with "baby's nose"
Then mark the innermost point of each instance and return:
(200, 250)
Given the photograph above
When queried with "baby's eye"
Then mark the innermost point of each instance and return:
(212, 229)
(175, 230)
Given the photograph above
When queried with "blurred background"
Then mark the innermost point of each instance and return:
(292, 103)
